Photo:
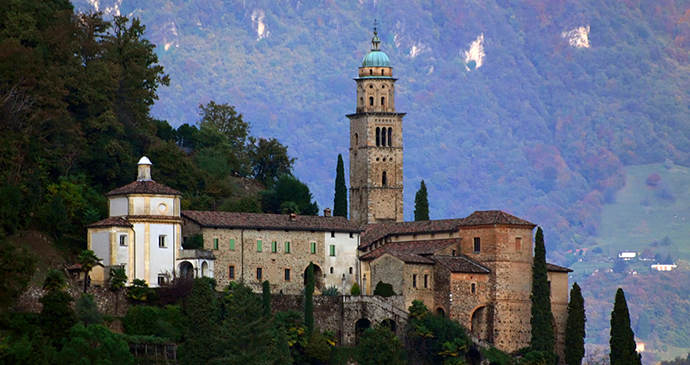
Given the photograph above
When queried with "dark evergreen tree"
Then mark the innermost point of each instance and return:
(17, 267)
(421, 204)
(57, 315)
(309, 299)
(622, 337)
(542, 317)
(340, 199)
(202, 315)
(94, 344)
(266, 297)
(575, 328)
(289, 195)
(379, 346)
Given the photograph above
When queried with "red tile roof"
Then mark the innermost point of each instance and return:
(111, 222)
(375, 232)
(144, 187)
(461, 264)
(269, 221)
(552, 267)
(411, 251)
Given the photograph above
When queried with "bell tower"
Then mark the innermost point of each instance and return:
(376, 143)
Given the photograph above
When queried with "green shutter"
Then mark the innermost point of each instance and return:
(313, 247)
(232, 244)
(287, 247)
(274, 246)
(215, 243)
(259, 246)
(332, 250)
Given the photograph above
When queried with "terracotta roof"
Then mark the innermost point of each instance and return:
(552, 267)
(111, 222)
(486, 217)
(270, 221)
(461, 264)
(411, 251)
(144, 187)
(375, 232)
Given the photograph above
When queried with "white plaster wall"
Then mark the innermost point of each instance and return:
(119, 206)
(100, 244)
(344, 259)
(138, 205)
(122, 254)
(162, 260)
(169, 205)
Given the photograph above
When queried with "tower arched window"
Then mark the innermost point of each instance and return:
(371, 72)
(371, 101)
(356, 141)
(384, 179)
(378, 136)
(381, 72)
(383, 101)
(390, 136)
(361, 102)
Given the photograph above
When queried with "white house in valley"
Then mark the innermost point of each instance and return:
(143, 232)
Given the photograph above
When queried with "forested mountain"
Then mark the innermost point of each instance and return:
(528, 106)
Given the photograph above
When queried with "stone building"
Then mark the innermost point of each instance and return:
(143, 232)
(278, 247)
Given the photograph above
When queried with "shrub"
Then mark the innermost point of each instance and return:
(383, 289)
(355, 289)
(331, 291)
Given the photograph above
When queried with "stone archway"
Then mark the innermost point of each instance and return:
(440, 312)
(318, 277)
(360, 326)
(186, 269)
(204, 269)
(481, 323)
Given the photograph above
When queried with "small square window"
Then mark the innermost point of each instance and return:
(259, 273)
(352, 235)
(332, 250)
(313, 247)
(123, 240)
(259, 246)
(232, 244)
(231, 272)
(287, 274)
(274, 246)
(161, 241)
(215, 243)
(518, 244)
(287, 247)
(161, 280)
(332, 234)
(477, 245)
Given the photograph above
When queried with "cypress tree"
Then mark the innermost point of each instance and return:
(201, 310)
(340, 200)
(309, 300)
(622, 337)
(421, 204)
(266, 297)
(542, 329)
(575, 328)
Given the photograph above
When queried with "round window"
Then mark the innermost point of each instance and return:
(162, 207)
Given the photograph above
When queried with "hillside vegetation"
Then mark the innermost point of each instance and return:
(532, 107)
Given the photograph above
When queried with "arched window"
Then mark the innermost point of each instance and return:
(371, 72)
(356, 141)
(390, 136)
(371, 101)
(361, 101)
(378, 136)
(384, 179)
(381, 72)
(383, 102)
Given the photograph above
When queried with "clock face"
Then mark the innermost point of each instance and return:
(162, 207)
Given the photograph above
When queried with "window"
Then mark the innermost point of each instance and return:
(453, 252)
(518, 244)
(414, 280)
(352, 235)
(384, 179)
(274, 246)
(287, 274)
(371, 72)
(161, 241)
(332, 234)
(313, 247)
(350, 270)
(332, 250)
(473, 288)
(215, 243)
(390, 137)
(331, 269)
(231, 272)
(259, 273)
(161, 279)
(123, 240)
(378, 136)
(381, 72)
(371, 101)
(361, 101)
(477, 245)
(426, 281)
(259, 246)
(231, 243)
(287, 247)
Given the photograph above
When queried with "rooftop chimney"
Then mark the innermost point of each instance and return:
(144, 173)
(327, 212)
(293, 217)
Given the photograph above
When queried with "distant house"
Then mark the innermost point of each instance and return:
(663, 267)
(627, 255)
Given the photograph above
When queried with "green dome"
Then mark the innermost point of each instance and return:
(376, 58)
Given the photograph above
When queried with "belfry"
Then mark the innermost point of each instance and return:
(376, 143)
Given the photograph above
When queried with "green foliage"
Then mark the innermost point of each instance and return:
(88, 260)
(355, 290)
(17, 267)
(87, 311)
(269, 160)
(575, 328)
(94, 344)
(194, 242)
(340, 198)
(309, 299)
(296, 332)
(166, 323)
(379, 346)
(331, 291)
(118, 279)
(421, 204)
(542, 317)
(55, 281)
(384, 289)
(266, 298)
(57, 315)
(202, 329)
(139, 292)
(435, 338)
(289, 196)
(318, 349)
(622, 340)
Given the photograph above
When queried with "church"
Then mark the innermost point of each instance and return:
(476, 270)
